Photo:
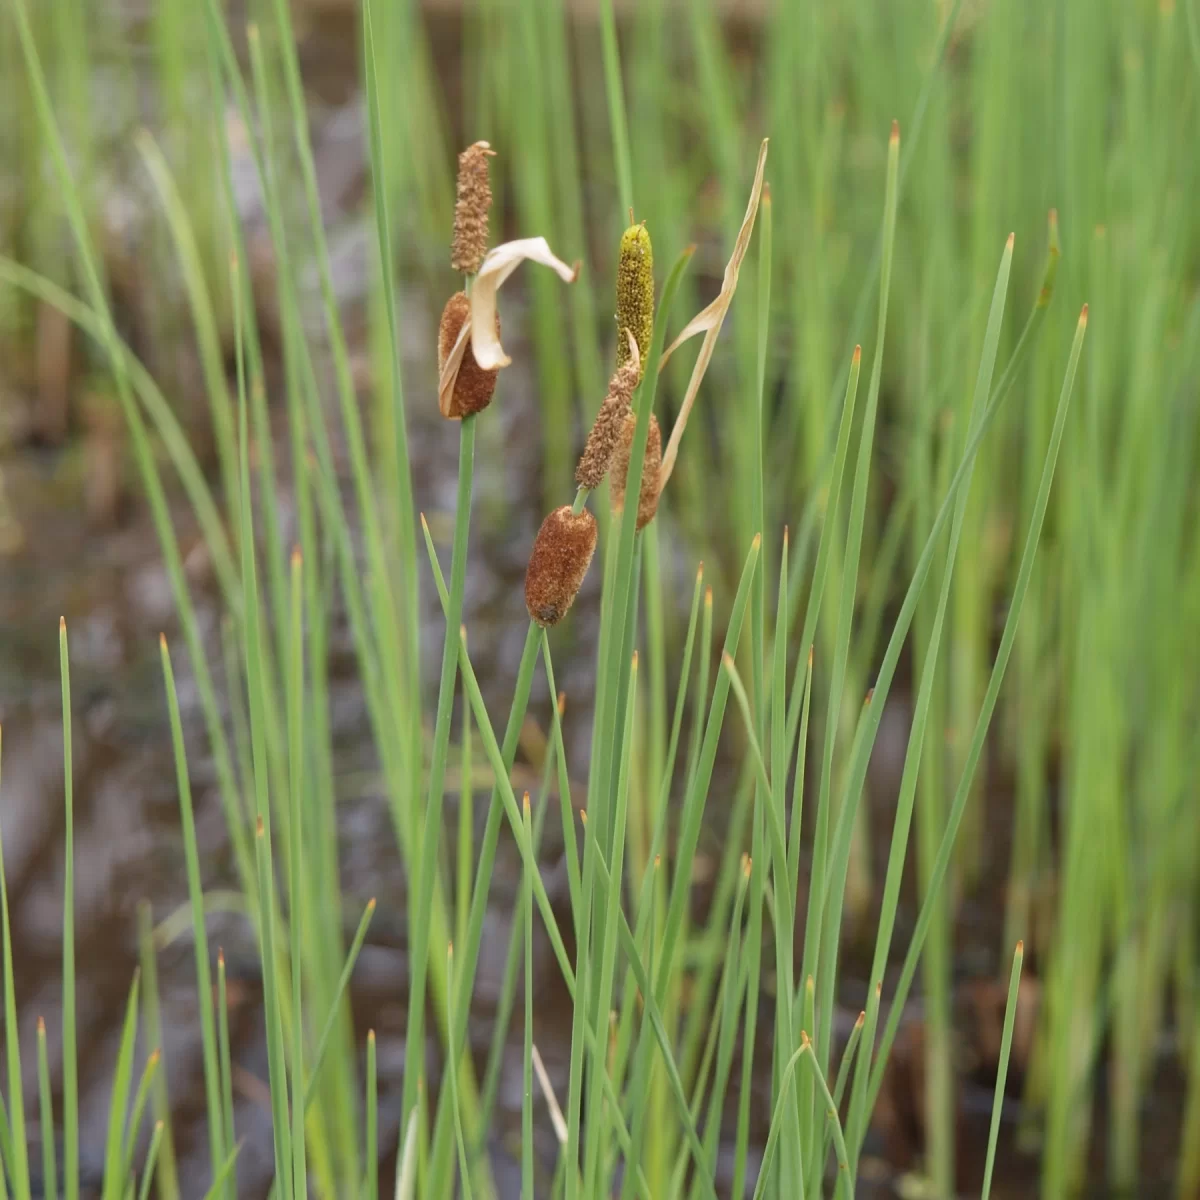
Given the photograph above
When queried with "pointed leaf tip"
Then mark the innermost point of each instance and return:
(1083, 315)
(895, 131)
(1020, 948)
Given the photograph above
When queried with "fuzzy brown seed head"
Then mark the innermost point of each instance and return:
(471, 209)
(635, 292)
(648, 496)
(559, 560)
(606, 429)
(474, 387)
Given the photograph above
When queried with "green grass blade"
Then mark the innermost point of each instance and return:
(17, 1156)
(152, 1153)
(527, 1049)
(229, 1187)
(425, 868)
(70, 1063)
(114, 1159)
(226, 1176)
(204, 991)
(168, 1180)
(371, 1191)
(297, 876)
(698, 785)
(464, 1174)
(1010, 1019)
(149, 1072)
(46, 1111)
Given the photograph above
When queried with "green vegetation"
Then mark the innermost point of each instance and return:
(997, 493)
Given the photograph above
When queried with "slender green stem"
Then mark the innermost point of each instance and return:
(527, 1054)
(1010, 1019)
(46, 1110)
(372, 1146)
(425, 867)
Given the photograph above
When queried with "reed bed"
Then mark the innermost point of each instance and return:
(1009, 485)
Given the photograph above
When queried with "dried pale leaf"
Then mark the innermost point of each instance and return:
(499, 264)
(556, 1115)
(485, 342)
(449, 375)
(709, 320)
(406, 1167)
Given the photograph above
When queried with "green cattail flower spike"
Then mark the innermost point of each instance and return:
(635, 292)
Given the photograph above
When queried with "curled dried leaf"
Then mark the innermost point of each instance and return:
(709, 320)
(473, 386)
(482, 330)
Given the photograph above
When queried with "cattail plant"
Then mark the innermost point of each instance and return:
(635, 291)
(471, 207)
(562, 552)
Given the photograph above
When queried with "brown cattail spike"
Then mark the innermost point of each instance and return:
(635, 292)
(558, 562)
(648, 495)
(471, 209)
(474, 386)
(606, 429)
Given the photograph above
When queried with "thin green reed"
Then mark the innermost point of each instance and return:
(1006, 1037)
(297, 876)
(115, 1173)
(70, 1062)
(204, 991)
(17, 1157)
(226, 1064)
(812, 959)
(46, 1116)
(425, 867)
(527, 1047)
(941, 865)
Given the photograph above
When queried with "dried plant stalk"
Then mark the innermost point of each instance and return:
(709, 320)
(483, 330)
(562, 552)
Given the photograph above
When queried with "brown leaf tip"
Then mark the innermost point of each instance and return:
(1083, 315)
(474, 386)
(471, 207)
(651, 466)
(895, 131)
(562, 552)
